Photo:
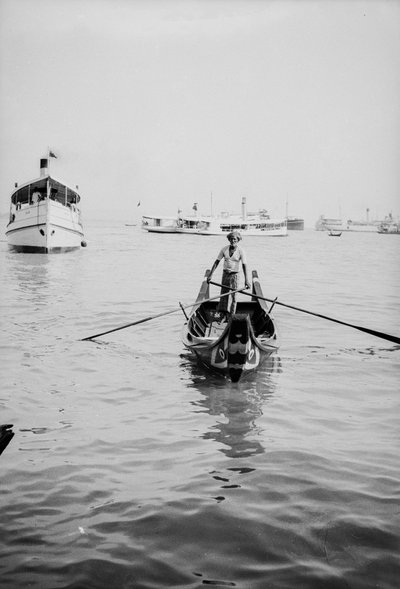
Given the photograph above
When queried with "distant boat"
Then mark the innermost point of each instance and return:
(389, 228)
(252, 225)
(361, 226)
(45, 216)
(255, 226)
(326, 223)
(248, 224)
(259, 224)
(295, 224)
(335, 233)
(191, 224)
(159, 224)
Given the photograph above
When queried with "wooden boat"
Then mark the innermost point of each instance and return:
(235, 347)
(45, 215)
(334, 233)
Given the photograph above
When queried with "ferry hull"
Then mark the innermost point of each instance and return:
(160, 229)
(270, 232)
(45, 227)
(295, 224)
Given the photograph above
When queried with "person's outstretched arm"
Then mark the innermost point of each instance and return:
(212, 270)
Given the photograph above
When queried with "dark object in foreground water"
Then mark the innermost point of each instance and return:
(6, 435)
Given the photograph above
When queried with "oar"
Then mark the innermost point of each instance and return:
(386, 336)
(159, 315)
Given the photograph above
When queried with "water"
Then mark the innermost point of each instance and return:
(131, 467)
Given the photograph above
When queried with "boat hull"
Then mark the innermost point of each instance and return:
(279, 231)
(294, 224)
(45, 227)
(236, 353)
(390, 231)
(253, 225)
(160, 229)
(237, 347)
(357, 228)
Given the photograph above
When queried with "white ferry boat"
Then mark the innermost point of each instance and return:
(156, 224)
(361, 226)
(45, 215)
(328, 224)
(260, 224)
(251, 226)
(389, 225)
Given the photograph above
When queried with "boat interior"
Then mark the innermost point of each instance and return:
(39, 189)
(205, 321)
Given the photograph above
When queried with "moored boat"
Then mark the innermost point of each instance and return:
(191, 224)
(295, 224)
(253, 224)
(45, 215)
(235, 347)
(361, 226)
(248, 227)
(334, 233)
(326, 223)
(392, 228)
(156, 224)
(260, 224)
(389, 226)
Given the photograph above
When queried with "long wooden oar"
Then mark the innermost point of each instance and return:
(386, 336)
(159, 315)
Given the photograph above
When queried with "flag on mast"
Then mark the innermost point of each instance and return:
(52, 154)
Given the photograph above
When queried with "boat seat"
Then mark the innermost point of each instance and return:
(197, 326)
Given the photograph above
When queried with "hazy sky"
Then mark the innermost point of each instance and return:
(165, 102)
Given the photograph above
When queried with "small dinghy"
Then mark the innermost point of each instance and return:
(233, 347)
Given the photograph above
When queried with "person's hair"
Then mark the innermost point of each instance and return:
(234, 234)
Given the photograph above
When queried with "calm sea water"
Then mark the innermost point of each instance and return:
(131, 467)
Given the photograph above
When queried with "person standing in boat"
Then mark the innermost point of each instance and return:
(234, 258)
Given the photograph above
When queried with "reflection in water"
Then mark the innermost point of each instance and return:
(236, 405)
(31, 274)
(45, 278)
